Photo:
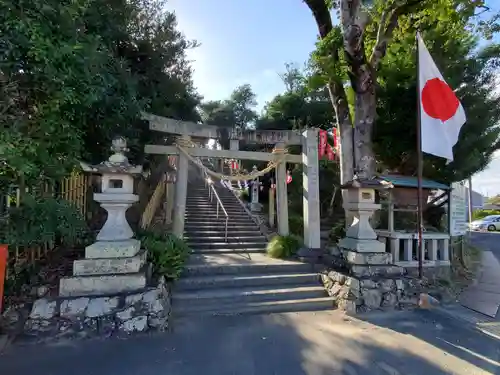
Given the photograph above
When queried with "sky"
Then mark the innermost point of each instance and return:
(249, 41)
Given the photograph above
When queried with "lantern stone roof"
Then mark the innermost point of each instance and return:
(117, 163)
(367, 183)
(412, 182)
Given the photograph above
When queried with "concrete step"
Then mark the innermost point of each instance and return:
(214, 225)
(211, 205)
(308, 304)
(255, 238)
(240, 281)
(217, 297)
(219, 221)
(195, 207)
(229, 250)
(231, 232)
(226, 245)
(244, 269)
(212, 214)
(201, 206)
(234, 238)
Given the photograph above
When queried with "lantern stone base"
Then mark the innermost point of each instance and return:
(101, 284)
(109, 267)
(113, 249)
(362, 245)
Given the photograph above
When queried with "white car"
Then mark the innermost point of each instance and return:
(490, 223)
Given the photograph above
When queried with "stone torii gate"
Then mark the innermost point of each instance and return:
(309, 158)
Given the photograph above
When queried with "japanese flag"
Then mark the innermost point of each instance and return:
(441, 113)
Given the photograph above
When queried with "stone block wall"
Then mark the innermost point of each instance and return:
(368, 293)
(82, 317)
(362, 282)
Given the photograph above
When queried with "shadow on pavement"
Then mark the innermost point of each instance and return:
(289, 344)
(449, 335)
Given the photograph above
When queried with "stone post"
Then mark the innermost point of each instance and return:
(181, 186)
(282, 196)
(255, 206)
(310, 175)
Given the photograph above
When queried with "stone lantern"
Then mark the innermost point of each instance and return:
(255, 206)
(360, 236)
(115, 263)
(117, 192)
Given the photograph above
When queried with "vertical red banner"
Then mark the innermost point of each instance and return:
(323, 141)
(3, 271)
(329, 152)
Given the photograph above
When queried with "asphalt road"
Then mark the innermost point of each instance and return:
(487, 241)
(419, 342)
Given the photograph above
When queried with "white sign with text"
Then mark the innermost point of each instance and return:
(458, 210)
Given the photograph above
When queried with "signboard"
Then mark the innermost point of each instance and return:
(458, 210)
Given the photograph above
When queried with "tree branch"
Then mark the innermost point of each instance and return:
(388, 23)
(354, 22)
(324, 22)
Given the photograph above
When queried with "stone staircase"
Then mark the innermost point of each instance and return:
(234, 277)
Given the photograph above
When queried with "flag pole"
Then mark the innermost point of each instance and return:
(419, 171)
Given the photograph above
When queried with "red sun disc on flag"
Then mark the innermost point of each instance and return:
(438, 100)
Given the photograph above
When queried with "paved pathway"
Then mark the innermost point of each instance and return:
(290, 344)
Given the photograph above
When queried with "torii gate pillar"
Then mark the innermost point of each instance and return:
(310, 185)
(180, 192)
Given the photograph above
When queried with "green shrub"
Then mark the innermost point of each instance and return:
(479, 214)
(296, 224)
(166, 252)
(283, 246)
(39, 220)
(244, 195)
(338, 231)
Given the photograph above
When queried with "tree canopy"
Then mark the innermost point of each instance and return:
(76, 73)
(351, 57)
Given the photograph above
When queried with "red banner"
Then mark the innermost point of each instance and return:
(288, 177)
(323, 141)
(329, 152)
(335, 140)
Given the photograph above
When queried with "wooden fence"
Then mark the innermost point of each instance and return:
(73, 189)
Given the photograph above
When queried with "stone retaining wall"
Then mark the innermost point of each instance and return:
(362, 282)
(81, 317)
(358, 295)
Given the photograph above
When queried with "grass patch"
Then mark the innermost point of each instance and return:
(282, 247)
(166, 252)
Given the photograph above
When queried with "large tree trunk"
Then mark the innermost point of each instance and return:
(364, 115)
